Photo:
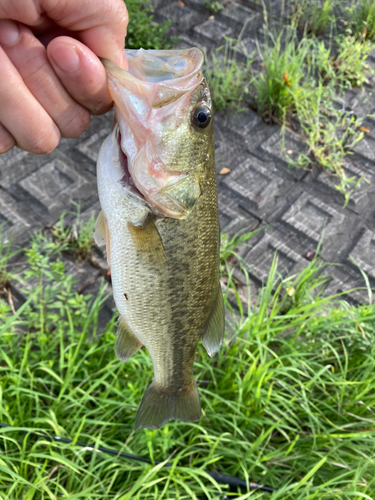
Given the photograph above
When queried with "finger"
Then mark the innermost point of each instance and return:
(7, 141)
(101, 24)
(87, 82)
(29, 57)
(21, 114)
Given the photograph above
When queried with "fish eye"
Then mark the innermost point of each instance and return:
(201, 117)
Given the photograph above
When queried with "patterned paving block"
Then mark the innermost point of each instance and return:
(311, 216)
(248, 48)
(314, 221)
(273, 6)
(325, 185)
(247, 129)
(364, 253)
(233, 217)
(51, 188)
(282, 149)
(341, 282)
(17, 164)
(257, 185)
(198, 5)
(90, 147)
(182, 16)
(366, 148)
(240, 19)
(260, 257)
(212, 32)
(16, 224)
(227, 152)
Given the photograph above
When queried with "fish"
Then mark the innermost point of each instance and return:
(160, 225)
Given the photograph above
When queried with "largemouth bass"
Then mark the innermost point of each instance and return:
(159, 221)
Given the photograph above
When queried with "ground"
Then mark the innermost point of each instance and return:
(296, 206)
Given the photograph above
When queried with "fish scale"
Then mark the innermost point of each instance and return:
(164, 261)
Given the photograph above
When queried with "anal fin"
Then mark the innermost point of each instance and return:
(213, 333)
(159, 405)
(126, 343)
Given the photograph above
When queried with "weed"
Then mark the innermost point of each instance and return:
(312, 17)
(77, 238)
(5, 255)
(361, 19)
(330, 134)
(214, 6)
(227, 78)
(287, 402)
(299, 86)
(143, 31)
(348, 67)
(280, 82)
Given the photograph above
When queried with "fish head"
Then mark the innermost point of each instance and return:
(163, 110)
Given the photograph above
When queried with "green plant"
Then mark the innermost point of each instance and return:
(312, 17)
(143, 31)
(361, 19)
(214, 6)
(299, 87)
(78, 238)
(330, 135)
(348, 67)
(280, 83)
(287, 402)
(227, 77)
(5, 255)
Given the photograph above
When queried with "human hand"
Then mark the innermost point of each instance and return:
(51, 78)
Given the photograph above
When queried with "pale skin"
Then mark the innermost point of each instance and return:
(51, 78)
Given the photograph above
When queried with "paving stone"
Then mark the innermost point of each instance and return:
(280, 148)
(361, 200)
(257, 185)
(314, 221)
(366, 148)
(240, 19)
(293, 209)
(233, 216)
(363, 253)
(260, 257)
(212, 32)
(183, 17)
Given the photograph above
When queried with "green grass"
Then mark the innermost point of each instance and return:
(299, 87)
(227, 77)
(313, 17)
(214, 6)
(280, 83)
(143, 31)
(288, 402)
(76, 239)
(361, 19)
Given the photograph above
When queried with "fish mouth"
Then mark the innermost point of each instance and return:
(175, 200)
(127, 180)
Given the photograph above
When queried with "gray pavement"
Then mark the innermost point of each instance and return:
(295, 205)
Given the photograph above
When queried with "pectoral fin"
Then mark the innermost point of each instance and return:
(148, 241)
(127, 343)
(99, 235)
(213, 333)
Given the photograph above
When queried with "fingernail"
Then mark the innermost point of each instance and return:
(9, 33)
(65, 57)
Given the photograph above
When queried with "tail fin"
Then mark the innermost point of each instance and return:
(158, 406)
